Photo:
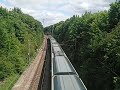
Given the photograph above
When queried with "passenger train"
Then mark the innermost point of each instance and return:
(64, 75)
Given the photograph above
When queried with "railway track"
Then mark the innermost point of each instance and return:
(51, 70)
(46, 79)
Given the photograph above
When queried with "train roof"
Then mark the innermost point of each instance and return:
(62, 66)
(55, 45)
(57, 49)
(53, 40)
(68, 82)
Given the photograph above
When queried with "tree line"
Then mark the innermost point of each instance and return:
(92, 43)
(20, 37)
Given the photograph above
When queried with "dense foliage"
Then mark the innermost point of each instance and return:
(20, 34)
(92, 43)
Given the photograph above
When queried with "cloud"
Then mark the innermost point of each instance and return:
(53, 11)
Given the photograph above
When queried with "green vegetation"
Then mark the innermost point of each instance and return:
(92, 43)
(9, 82)
(20, 34)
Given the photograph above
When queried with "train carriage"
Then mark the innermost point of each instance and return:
(64, 76)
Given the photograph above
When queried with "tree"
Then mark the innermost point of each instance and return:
(114, 14)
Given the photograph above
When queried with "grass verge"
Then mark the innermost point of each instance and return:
(8, 83)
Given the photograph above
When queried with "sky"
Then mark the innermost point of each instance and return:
(52, 11)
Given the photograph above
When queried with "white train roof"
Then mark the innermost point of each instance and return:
(68, 82)
(62, 66)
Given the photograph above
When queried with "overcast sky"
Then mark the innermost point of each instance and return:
(53, 11)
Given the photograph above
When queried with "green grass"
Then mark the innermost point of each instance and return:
(9, 82)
